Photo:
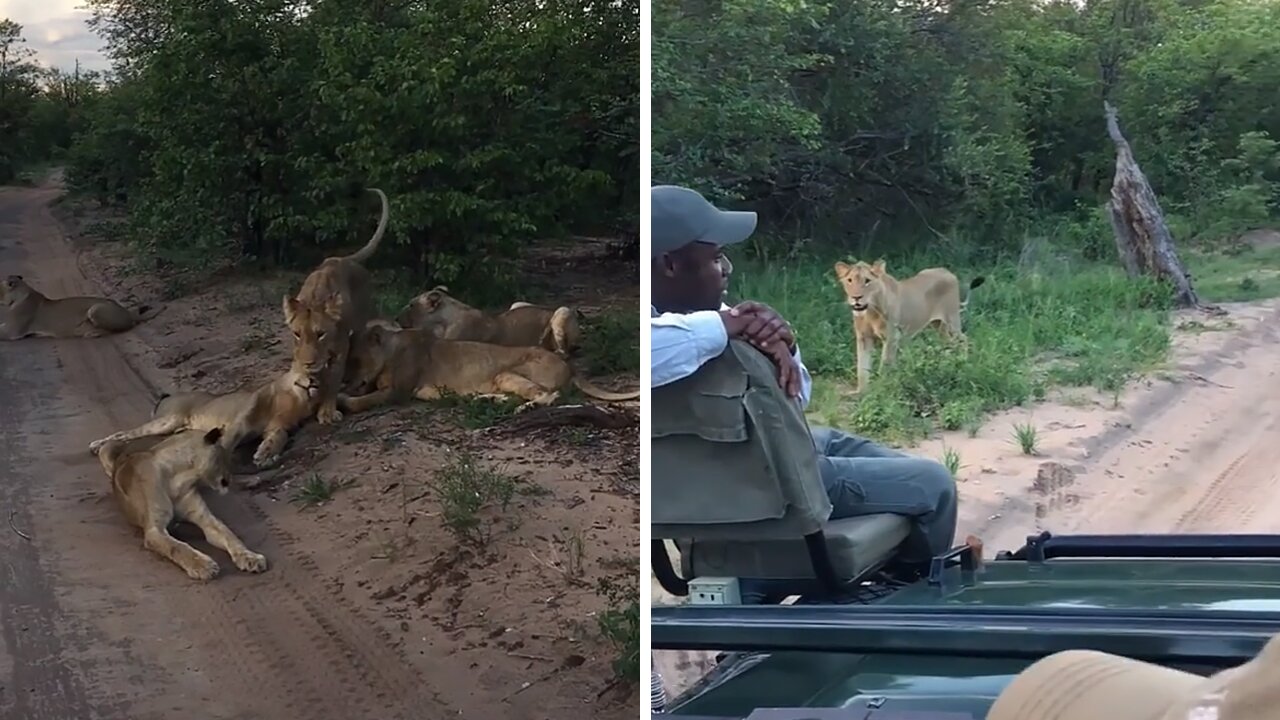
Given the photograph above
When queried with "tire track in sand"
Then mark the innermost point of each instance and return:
(107, 628)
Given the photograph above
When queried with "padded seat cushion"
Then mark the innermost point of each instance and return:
(856, 545)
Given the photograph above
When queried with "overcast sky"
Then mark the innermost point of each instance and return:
(56, 30)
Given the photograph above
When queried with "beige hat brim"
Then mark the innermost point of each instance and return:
(1088, 685)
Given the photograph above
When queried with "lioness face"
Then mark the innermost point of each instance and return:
(371, 356)
(430, 310)
(316, 332)
(13, 289)
(213, 463)
(862, 284)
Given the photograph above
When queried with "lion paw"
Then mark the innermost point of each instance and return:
(328, 416)
(250, 562)
(263, 463)
(203, 568)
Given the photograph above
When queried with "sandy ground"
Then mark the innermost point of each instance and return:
(370, 608)
(1193, 448)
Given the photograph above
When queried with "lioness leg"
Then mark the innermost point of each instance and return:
(331, 387)
(563, 330)
(515, 384)
(157, 539)
(866, 347)
(158, 426)
(193, 509)
(890, 351)
(361, 403)
(274, 438)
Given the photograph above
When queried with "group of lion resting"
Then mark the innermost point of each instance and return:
(345, 358)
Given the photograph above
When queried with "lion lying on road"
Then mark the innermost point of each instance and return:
(159, 485)
(270, 412)
(521, 325)
(399, 364)
(328, 315)
(887, 310)
(26, 312)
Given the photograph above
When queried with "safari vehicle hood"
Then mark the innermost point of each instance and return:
(962, 641)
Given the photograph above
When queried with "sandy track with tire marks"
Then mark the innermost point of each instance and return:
(94, 625)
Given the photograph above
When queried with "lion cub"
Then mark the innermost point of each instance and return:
(521, 325)
(26, 312)
(404, 363)
(161, 484)
(269, 411)
(887, 310)
(328, 315)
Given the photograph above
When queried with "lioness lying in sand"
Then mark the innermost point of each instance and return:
(161, 484)
(26, 312)
(887, 310)
(521, 325)
(270, 412)
(328, 315)
(399, 364)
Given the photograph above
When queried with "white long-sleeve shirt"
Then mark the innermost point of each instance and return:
(680, 343)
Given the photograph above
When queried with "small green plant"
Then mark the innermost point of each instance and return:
(620, 624)
(465, 488)
(951, 459)
(611, 342)
(315, 490)
(1027, 438)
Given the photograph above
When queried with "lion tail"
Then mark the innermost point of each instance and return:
(973, 284)
(366, 252)
(601, 394)
(109, 454)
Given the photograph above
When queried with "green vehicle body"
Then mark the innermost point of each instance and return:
(1134, 603)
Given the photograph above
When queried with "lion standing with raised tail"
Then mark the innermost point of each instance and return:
(329, 313)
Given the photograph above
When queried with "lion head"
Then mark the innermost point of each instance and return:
(316, 333)
(14, 290)
(373, 353)
(433, 310)
(863, 284)
(213, 462)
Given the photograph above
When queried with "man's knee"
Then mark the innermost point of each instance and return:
(936, 480)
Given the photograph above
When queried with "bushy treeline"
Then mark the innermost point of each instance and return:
(857, 123)
(248, 131)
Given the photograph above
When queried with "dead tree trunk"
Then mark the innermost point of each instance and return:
(1142, 237)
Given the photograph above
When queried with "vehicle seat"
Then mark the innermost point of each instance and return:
(734, 479)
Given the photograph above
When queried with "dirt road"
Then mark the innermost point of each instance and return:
(1194, 449)
(96, 627)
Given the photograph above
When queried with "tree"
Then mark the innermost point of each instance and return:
(19, 88)
(1142, 236)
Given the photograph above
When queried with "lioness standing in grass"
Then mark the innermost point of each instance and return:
(690, 325)
(26, 312)
(889, 310)
(329, 314)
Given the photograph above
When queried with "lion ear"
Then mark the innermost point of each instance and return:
(842, 268)
(432, 299)
(213, 436)
(290, 307)
(878, 267)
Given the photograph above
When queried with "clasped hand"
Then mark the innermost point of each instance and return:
(766, 330)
